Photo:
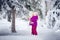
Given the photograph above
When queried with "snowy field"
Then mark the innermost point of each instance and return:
(24, 31)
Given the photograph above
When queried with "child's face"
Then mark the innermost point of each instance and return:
(35, 13)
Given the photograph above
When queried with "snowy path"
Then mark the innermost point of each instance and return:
(24, 32)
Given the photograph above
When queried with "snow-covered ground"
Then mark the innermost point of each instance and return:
(24, 31)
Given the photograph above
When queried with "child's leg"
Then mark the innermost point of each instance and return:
(35, 30)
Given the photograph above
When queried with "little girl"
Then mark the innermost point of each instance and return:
(33, 23)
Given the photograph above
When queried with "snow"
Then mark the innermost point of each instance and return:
(24, 31)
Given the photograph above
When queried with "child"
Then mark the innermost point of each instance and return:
(33, 23)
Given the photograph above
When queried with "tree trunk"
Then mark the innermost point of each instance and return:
(13, 21)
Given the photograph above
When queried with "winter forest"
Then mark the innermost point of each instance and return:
(15, 14)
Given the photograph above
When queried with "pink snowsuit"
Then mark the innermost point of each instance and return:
(34, 25)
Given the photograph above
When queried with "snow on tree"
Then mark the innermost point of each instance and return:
(53, 17)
